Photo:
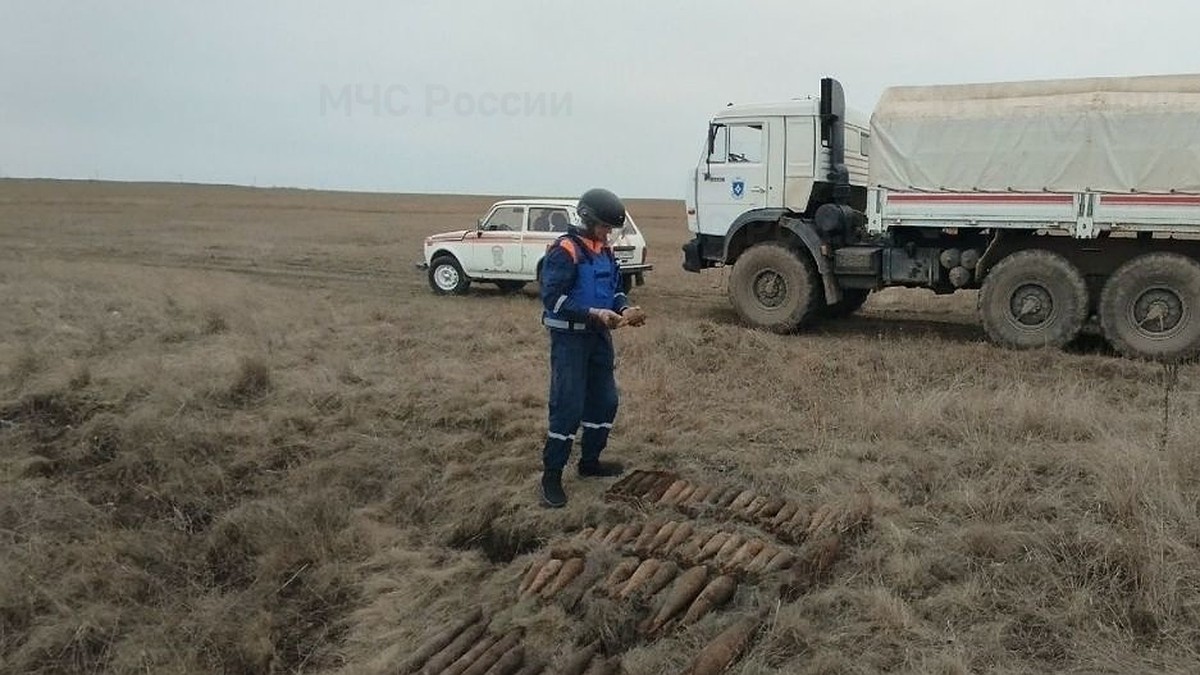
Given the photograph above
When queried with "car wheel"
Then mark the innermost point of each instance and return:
(626, 283)
(446, 277)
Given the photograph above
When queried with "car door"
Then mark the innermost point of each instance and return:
(546, 223)
(734, 178)
(496, 246)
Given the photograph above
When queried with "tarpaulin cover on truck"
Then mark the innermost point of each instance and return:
(1131, 134)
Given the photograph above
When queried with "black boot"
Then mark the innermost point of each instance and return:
(552, 489)
(598, 469)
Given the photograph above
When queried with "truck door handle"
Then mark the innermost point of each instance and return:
(758, 188)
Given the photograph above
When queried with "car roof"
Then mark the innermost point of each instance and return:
(537, 202)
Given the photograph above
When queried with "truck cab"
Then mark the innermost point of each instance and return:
(773, 180)
(761, 161)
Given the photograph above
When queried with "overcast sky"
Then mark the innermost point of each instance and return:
(479, 96)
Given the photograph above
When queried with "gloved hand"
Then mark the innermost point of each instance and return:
(606, 317)
(634, 316)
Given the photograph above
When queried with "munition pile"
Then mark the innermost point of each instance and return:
(669, 573)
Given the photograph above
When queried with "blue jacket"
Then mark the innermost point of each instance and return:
(575, 280)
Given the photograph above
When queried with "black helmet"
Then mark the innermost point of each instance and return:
(600, 206)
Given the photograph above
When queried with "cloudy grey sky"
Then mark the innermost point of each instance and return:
(516, 97)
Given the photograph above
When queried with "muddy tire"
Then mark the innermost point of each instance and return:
(1033, 299)
(852, 300)
(774, 287)
(1150, 307)
(446, 276)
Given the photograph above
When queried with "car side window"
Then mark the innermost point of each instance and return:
(508, 218)
(543, 219)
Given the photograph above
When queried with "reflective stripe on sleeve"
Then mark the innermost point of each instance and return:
(558, 305)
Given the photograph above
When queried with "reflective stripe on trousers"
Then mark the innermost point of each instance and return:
(583, 392)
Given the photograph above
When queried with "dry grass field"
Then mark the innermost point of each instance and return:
(238, 433)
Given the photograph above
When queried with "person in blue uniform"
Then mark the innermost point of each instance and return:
(583, 304)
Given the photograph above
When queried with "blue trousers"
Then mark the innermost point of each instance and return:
(583, 391)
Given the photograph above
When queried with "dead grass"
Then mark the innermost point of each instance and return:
(239, 434)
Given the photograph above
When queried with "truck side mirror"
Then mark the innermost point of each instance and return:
(712, 136)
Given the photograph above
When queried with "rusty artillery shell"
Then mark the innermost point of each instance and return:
(672, 491)
(663, 534)
(493, 654)
(457, 647)
(599, 533)
(544, 575)
(473, 654)
(662, 576)
(690, 549)
(509, 662)
(741, 500)
(760, 560)
(570, 569)
(726, 499)
(781, 561)
(785, 514)
(768, 509)
(620, 574)
(642, 544)
(680, 534)
(711, 546)
(439, 641)
(745, 554)
(728, 548)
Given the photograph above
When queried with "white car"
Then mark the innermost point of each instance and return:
(507, 246)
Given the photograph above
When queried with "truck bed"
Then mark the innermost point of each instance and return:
(1082, 214)
(1090, 155)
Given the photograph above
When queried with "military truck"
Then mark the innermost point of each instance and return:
(1061, 201)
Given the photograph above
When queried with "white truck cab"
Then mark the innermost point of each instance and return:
(768, 156)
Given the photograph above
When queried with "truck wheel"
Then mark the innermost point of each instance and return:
(1033, 299)
(774, 287)
(446, 276)
(626, 283)
(852, 300)
(1150, 307)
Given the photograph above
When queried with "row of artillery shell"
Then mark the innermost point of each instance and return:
(642, 485)
(788, 520)
(548, 576)
(693, 592)
(728, 551)
(466, 648)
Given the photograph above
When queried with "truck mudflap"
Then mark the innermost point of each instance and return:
(804, 230)
(691, 256)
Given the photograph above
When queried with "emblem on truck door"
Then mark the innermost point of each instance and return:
(737, 188)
